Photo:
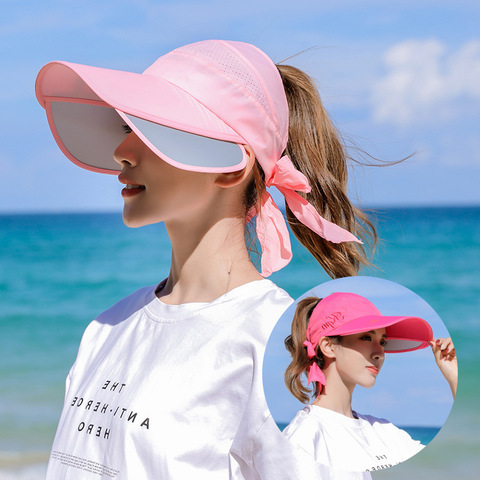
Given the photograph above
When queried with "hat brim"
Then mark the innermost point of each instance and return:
(87, 108)
(404, 334)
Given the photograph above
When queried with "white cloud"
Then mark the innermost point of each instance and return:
(426, 81)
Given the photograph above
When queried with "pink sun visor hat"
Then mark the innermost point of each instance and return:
(348, 313)
(196, 108)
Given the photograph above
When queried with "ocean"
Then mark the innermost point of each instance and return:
(58, 271)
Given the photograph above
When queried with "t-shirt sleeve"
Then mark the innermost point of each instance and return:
(399, 440)
(303, 434)
(408, 447)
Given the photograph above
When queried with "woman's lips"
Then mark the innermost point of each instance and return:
(374, 370)
(131, 189)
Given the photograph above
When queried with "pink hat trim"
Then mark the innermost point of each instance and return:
(271, 227)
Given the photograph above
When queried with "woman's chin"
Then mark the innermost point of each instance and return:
(133, 221)
(135, 217)
(368, 384)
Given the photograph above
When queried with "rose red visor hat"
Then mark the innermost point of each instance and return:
(349, 313)
(196, 108)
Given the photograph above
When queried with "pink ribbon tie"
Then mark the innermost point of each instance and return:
(287, 175)
(273, 236)
(315, 373)
(272, 230)
(310, 349)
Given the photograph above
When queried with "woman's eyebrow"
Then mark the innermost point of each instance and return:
(373, 331)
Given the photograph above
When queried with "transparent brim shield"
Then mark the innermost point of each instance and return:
(399, 345)
(89, 132)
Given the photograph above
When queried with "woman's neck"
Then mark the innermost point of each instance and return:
(336, 396)
(209, 258)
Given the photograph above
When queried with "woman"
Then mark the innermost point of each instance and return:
(167, 383)
(340, 342)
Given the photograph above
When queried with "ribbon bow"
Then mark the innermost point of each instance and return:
(315, 374)
(272, 229)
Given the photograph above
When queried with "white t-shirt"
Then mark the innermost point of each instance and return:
(358, 444)
(174, 391)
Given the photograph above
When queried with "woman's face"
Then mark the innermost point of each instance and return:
(360, 357)
(154, 190)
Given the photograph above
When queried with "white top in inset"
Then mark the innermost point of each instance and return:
(357, 444)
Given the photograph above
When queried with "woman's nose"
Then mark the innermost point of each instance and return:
(125, 154)
(379, 352)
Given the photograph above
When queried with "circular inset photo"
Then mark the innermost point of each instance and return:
(360, 373)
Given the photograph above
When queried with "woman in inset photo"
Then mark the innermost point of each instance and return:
(338, 342)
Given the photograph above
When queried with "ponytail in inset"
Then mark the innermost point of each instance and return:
(300, 362)
(294, 344)
(316, 149)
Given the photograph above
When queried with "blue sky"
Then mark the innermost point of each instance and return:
(396, 79)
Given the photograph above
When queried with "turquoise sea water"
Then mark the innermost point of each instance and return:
(57, 272)
(423, 434)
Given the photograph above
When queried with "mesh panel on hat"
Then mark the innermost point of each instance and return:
(231, 64)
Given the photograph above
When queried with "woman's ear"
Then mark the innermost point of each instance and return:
(326, 347)
(227, 180)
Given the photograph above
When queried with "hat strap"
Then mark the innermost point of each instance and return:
(271, 227)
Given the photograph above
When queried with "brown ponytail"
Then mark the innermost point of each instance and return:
(316, 149)
(300, 361)
(294, 344)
